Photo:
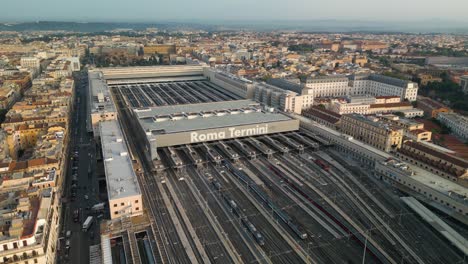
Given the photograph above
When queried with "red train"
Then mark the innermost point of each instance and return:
(322, 164)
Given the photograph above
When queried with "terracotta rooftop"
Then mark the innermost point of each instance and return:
(431, 103)
(324, 114)
(418, 131)
(438, 154)
(22, 165)
(390, 105)
(387, 97)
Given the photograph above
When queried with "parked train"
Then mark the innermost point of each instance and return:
(266, 200)
(236, 210)
(322, 164)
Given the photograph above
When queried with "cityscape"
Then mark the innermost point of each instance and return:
(169, 141)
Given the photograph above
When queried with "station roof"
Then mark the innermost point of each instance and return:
(120, 176)
(163, 119)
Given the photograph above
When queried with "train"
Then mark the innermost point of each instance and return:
(264, 198)
(216, 184)
(258, 237)
(322, 164)
(236, 210)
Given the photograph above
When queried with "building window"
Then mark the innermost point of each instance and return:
(122, 204)
(116, 212)
(136, 201)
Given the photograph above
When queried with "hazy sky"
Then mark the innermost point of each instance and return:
(157, 10)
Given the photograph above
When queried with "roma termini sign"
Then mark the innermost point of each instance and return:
(231, 132)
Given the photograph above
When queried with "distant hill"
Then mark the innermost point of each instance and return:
(75, 26)
(217, 25)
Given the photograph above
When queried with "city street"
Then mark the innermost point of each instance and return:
(81, 187)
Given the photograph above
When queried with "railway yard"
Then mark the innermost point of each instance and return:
(226, 180)
(278, 198)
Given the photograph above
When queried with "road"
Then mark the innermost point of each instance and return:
(86, 185)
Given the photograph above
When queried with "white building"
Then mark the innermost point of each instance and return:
(412, 113)
(457, 123)
(379, 85)
(30, 62)
(74, 63)
(343, 107)
(328, 86)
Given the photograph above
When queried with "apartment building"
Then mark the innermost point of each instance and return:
(26, 228)
(371, 130)
(412, 129)
(8, 96)
(36, 126)
(30, 62)
(456, 122)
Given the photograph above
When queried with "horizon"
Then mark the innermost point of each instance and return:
(238, 11)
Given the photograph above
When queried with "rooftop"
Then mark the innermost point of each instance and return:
(373, 121)
(383, 79)
(285, 84)
(163, 119)
(431, 180)
(120, 176)
(437, 153)
(99, 88)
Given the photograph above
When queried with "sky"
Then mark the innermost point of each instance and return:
(234, 10)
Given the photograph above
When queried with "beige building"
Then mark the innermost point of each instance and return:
(412, 129)
(122, 184)
(372, 131)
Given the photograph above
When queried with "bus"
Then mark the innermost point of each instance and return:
(87, 223)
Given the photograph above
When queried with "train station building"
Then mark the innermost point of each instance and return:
(198, 123)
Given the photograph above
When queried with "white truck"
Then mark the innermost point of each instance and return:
(87, 223)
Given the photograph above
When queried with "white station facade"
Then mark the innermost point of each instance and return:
(197, 123)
